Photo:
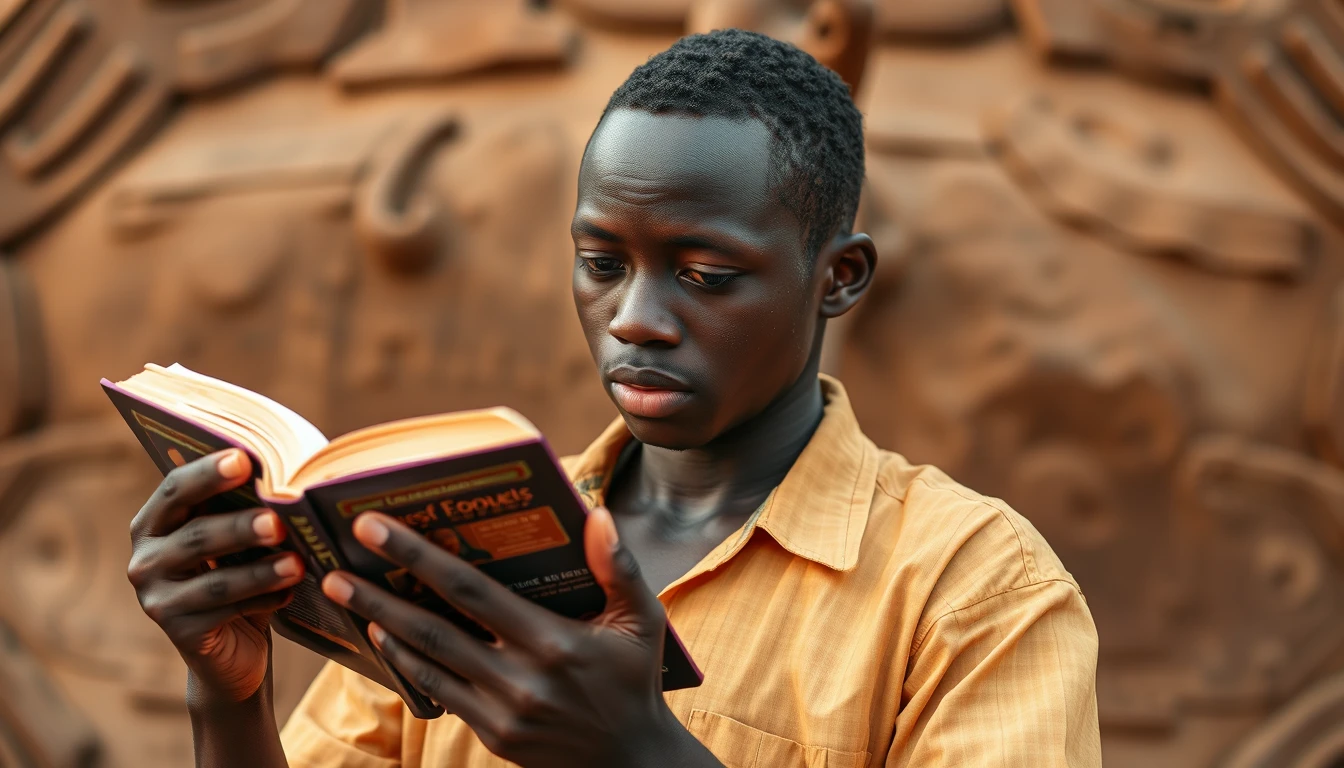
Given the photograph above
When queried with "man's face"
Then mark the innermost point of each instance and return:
(691, 278)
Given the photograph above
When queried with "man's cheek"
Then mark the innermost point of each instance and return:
(594, 317)
(759, 364)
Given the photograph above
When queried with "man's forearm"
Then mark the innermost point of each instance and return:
(229, 734)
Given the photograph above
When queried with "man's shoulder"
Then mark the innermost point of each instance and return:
(968, 547)
(570, 464)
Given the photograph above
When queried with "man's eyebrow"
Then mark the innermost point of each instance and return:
(698, 242)
(592, 230)
(721, 243)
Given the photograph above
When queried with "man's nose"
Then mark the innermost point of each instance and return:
(644, 314)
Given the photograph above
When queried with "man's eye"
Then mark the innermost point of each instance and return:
(707, 279)
(601, 265)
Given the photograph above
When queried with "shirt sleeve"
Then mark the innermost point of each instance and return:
(346, 721)
(1009, 681)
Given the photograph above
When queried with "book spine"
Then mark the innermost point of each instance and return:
(310, 537)
(322, 553)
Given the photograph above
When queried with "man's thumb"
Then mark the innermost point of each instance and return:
(630, 603)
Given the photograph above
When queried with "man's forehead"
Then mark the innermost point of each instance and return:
(635, 148)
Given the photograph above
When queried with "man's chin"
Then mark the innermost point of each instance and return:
(674, 434)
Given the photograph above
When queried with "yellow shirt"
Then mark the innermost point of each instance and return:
(870, 613)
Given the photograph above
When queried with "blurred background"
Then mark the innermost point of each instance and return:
(1109, 292)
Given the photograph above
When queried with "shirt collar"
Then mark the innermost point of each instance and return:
(818, 512)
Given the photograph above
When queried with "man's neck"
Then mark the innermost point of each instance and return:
(731, 476)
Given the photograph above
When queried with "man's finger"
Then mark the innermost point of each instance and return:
(432, 636)
(190, 628)
(631, 605)
(186, 486)
(223, 587)
(213, 536)
(492, 605)
(207, 538)
(455, 695)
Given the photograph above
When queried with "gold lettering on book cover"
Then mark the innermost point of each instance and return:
(315, 544)
(511, 472)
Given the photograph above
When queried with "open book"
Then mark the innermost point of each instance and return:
(482, 484)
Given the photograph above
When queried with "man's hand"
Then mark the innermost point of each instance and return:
(550, 691)
(217, 619)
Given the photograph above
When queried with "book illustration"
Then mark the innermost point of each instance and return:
(511, 535)
(451, 540)
(521, 533)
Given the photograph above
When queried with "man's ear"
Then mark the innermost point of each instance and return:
(847, 263)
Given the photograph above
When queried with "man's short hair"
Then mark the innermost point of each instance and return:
(817, 152)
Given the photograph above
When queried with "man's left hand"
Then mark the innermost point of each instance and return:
(550, 691)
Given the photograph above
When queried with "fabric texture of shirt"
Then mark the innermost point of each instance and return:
(871, 613)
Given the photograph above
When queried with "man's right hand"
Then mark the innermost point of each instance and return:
(217, 618)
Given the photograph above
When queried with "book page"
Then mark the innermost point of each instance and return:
(308, 437)
(419, 438)
(281, 438)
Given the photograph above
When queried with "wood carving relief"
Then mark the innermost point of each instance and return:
(23, 384)
(1116, 307)
(1109, 291)
(82, 82)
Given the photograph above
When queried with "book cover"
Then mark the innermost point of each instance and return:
(509, 510)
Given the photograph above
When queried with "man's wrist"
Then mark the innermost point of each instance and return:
(229, 733)
(206, 703)
(669, 744)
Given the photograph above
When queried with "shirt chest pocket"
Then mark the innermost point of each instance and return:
(738, 745)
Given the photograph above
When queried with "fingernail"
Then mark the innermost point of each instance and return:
(377, 634)
(230, 467)
(287, 567)
(267, 527)
(338, 588)
(370, 530)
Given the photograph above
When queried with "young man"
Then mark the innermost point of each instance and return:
(847, 608)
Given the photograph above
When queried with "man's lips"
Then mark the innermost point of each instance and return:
(649, 403)
(647, 378)
(648, 393)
